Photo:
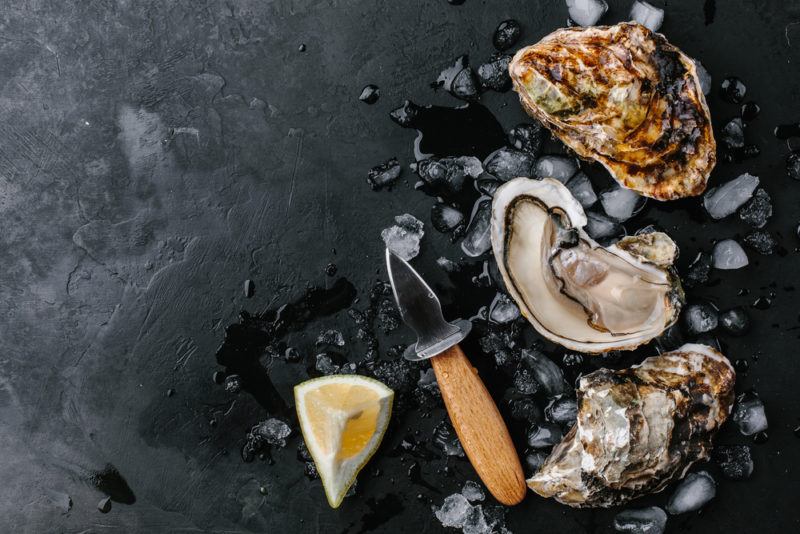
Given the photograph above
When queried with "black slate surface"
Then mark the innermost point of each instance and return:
(155, 155)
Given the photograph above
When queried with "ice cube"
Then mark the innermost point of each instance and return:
(454, 511)
(465, 85)
(528, 137)
(104, 506)
(427, 382)
(406, 114)
(273, 431)
(507, 34)
(473, 491)
(447, 265)
(735, 461)
(700, 318)
(735, 321)
(370, 94)
(581, 188)
(732, 90)
(560, 168)
(494, 73)
(698, 271)
(562, 411)
(546, 373)
(233, 384)
(733, 133)
(448, 174)
(692, 493)
(477, 240)
(325, 365)
(761, 241)
(403, 238)
(670, 339)
(757, 212)
(249, 288)
(647, 15)
(599, 226)
(503, 310)
(507, 163)
(728, 254)
(524, 381)
(459, 80)
(534, 460)
(749, 415)
(445, 218)
(544, 435)
(470, 165)
(703, 76)
(349, 368)
(793, 165)
(292, 355)
(586, 12)
(726, 199)
(750, 110)
(525, 409)
(487, 186)
(475, 522)
(384, 175)
(621, 203)
(331, 337)
(445, 437)
(650, 520)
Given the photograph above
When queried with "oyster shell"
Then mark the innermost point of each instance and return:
(639, 428)
(624, 96)
(575, 292)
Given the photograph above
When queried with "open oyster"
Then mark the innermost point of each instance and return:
(575, 292)
(639, 428)
(624, 96)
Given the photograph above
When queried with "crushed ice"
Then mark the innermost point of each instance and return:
(404, 237)
(586, 12)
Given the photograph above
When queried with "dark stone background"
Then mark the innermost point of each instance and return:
(125, 242)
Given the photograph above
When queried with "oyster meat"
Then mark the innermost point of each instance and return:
(624, 96)
(575, 292)
(639, 428)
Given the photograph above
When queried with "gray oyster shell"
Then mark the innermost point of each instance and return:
(639, 428)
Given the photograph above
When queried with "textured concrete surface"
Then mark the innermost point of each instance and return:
(153, 155)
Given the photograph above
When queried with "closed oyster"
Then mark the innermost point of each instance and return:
(639, 428)
(623, 96)
(575, 292)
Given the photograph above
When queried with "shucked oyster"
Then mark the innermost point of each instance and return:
(639, 428)
(573, 291)
(624, 96)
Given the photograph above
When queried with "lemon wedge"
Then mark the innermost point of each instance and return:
(343, 419)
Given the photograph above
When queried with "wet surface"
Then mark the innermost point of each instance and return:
(153, 159)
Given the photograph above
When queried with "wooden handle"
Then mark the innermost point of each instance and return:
(479, 426)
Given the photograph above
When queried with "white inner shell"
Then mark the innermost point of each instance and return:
(587, 297)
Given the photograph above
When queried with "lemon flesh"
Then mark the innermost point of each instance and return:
(343, 419)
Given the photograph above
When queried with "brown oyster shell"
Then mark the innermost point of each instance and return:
(639, 428)
(624, 96)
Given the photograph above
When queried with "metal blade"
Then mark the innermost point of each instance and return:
(422, 311)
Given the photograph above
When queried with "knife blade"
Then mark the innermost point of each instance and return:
(422, 312)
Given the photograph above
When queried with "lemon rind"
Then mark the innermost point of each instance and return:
(386, 400)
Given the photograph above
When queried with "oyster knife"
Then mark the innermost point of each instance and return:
(473, 413)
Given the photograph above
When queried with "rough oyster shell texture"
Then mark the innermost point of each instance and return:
(624, 96)
(639, 428)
